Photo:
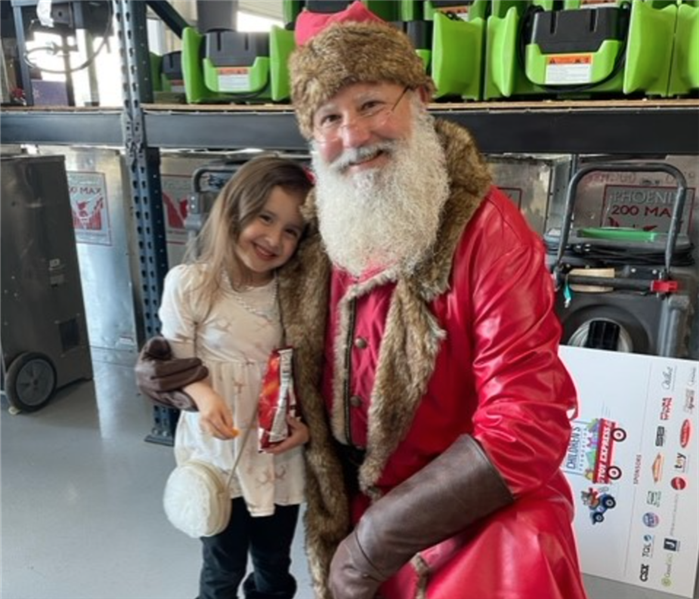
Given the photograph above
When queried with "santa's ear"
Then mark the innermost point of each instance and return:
(424, 94)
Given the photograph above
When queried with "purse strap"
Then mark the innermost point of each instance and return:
(242, 447)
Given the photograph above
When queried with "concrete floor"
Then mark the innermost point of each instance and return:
(81, 514)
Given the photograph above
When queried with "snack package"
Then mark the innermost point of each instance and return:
(277, 399)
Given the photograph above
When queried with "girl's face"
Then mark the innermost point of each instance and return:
(271, 238)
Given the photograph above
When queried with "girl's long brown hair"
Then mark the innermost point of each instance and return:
(240, 201)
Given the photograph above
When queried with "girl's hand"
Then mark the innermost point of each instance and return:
(215, 417)
(299, 435)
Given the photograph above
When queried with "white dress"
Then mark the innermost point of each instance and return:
(234, 341)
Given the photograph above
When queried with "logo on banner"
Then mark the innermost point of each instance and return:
(657, 468)
(660, 436)
(645, 571)
(666, 408)
(678, 483)
(88, 202)
(648, 544)
(681, 462)
(651, 519)
(689, 401)
(591, 450)
(685, 433)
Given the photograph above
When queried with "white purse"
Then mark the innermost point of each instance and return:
(197, 498)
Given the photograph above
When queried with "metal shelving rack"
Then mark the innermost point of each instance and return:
(630, 127)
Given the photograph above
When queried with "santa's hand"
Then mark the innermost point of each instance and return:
(352, 575)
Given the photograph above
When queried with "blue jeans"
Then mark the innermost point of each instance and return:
(268, 540)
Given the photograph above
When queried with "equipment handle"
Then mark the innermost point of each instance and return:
(644, 167)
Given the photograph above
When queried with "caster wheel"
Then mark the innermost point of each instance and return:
(30, 382)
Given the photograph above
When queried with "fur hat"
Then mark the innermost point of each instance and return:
(350, 52)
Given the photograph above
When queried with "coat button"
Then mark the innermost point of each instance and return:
(356, 401)
(360, 343)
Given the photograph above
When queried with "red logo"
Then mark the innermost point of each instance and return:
(175, 211)
(678, 483)
(87, 214)
(685, 433)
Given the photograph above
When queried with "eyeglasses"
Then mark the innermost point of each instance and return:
(372, 114)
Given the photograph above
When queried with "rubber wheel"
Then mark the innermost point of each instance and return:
(30, 381)
(614, 472)
(618, 434)
(609, 502)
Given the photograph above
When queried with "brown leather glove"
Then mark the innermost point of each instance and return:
(161, 377)
(455, 490)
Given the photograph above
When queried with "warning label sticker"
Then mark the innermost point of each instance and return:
(177, 86)
(460, 11)
(568, 69)
(233, 79)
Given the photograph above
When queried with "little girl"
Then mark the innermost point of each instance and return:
(222, 308)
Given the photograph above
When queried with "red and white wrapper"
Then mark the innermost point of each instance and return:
(277, 398)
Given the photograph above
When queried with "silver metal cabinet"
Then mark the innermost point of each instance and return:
(533, 183)
(102, 218)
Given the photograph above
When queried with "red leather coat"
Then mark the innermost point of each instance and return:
(464, 344)
(497, 377)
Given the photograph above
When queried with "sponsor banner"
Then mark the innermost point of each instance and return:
(88, 202)
(633, 467)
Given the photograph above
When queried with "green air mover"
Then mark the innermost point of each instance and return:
(458, 44)
(171, 76)
(232, 66)
(412, 10)
(388, 10)
(420, 34)
(166, 78)
(156, 69)
(684, 74)
(606, 48)
(575, 47)
(291, 10)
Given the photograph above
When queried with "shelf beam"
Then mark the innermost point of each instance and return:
(64, 128)
(583, 131)
(605, 129)
(566, 130)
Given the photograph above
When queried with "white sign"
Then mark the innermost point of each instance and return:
(633, 465)
(88, 201)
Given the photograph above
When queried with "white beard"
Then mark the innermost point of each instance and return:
(389, 216)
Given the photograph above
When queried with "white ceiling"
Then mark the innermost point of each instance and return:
(265, 8)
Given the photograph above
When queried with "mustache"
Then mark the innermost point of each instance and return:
(354, 155)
